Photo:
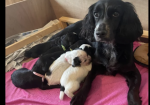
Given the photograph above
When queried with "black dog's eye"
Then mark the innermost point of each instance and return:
(115, 14)
(96, 14)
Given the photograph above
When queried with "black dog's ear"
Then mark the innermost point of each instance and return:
(88, 23)
(130, 26)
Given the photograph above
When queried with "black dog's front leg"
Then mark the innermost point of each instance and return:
(133, 79)
(80, 97)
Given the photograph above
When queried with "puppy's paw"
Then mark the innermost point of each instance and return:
(27, 54)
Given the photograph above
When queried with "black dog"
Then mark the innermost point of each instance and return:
(26, 79)
(116, 24)
(115, 30)
(59, 44)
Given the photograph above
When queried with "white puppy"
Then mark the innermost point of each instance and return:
(62, 63)
(56, 69)
(71, 78)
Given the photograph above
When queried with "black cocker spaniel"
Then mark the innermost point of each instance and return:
(111, 26)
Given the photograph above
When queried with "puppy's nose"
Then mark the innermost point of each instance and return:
(101, 33)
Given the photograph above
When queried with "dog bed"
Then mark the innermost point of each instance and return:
(105, 90)
(141, 55)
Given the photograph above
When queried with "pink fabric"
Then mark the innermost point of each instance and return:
(105, 90)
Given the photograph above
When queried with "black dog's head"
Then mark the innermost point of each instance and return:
(112, 20)
(69, 39)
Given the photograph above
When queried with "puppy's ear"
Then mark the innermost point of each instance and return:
(89, 50)
(92, 49)
(130, 26)
(68, 56)
(88, 23)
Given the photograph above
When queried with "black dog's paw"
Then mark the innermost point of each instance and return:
(138, 102)
(78, 99)
(135, 101)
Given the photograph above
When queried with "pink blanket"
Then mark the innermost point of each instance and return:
(105, 90)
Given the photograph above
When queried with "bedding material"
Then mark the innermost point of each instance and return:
(105, 90)
(13, 60)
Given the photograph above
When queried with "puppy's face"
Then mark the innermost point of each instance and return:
(107, 15)
(78, 58)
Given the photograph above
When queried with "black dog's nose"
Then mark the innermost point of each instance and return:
(101, 33)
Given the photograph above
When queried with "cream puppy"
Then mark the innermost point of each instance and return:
(71, 78)
(62, 63)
